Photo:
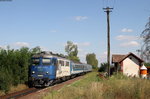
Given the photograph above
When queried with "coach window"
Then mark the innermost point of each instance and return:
(59, 63)
(62, 63)
(67, 63)
(46, 61)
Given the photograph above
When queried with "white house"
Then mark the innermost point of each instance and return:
(127, 64)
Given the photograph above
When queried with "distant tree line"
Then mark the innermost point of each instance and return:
(14, 66)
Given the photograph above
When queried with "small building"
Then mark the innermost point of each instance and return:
(127, 64)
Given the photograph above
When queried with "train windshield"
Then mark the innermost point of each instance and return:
(35, 62)
(46, 61)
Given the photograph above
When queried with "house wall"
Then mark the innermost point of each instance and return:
(131, 66)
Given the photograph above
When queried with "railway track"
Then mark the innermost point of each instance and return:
(19, 93)
(26, 92)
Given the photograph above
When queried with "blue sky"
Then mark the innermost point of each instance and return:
(51, 23)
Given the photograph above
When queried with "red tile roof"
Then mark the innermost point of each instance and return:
(119, 58)
(116, 58)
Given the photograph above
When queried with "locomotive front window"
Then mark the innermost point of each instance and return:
(35, 62)
(46, 61)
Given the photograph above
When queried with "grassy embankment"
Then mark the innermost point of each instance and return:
(14, 89)
(116, 87)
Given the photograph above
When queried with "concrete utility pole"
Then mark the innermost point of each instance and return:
(108, 10)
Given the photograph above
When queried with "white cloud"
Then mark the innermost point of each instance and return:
(84, 44)
(130, 44)
(79, 18)
(21, 44)
(126, 30)
(3, 47)
(44, 48)
(126, 37)
(80, 50)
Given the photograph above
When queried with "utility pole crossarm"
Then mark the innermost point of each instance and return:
(108, 9)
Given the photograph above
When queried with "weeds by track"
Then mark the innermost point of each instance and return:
(19, 93)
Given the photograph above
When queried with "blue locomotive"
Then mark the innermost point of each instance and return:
(48, 68)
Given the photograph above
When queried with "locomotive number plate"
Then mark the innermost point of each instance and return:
(40, 75)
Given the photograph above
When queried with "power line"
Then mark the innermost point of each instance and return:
(110, 3)
(114, 3)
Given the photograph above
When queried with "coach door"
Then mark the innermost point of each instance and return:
(59, 69)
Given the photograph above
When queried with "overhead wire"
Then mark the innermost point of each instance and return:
(109, 3)
(114, 3)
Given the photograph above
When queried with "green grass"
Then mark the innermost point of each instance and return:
(75, 90)
(122, 87)
(92, 87)
(88, 79)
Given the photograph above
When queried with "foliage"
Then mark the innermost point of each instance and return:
(147, 64)
(72, 51)
(5, 80)
(103, 67)
(145, 48)
(91, 59)
(35, 50)
(14, 66)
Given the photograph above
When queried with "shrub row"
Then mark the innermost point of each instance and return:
(14, 66)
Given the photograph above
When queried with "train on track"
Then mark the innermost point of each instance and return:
(48, 68)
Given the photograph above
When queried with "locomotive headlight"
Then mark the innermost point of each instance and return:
(46, 72)
(33, 72)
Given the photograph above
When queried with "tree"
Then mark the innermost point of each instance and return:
(35, 50)
(145, 49)
(103, 67)
(91, 59)
(147, 64)
(72, 51)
